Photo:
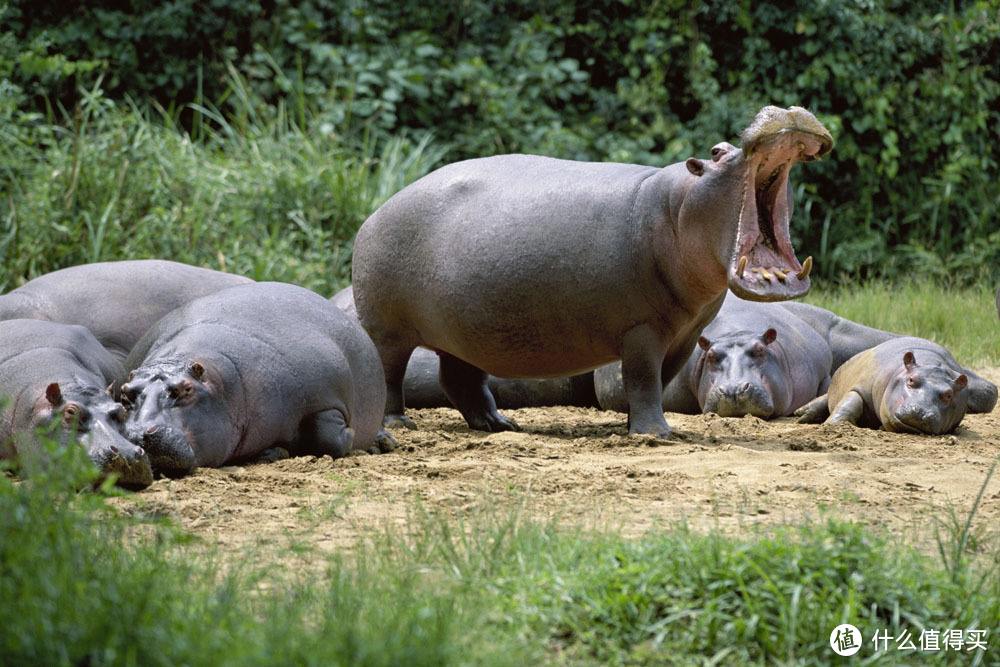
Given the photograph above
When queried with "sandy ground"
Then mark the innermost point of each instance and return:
(579, 465)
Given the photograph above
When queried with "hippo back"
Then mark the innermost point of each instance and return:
(117, 301)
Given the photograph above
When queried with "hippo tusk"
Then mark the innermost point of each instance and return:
(807, 266)
(742, 266)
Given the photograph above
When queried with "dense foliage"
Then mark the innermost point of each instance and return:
(911, 91)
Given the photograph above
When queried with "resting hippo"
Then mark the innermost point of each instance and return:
(117, 301)
(56, 374)
(753, 358)
(524, 266)
(905, 384)
(423, 390)
(844, 337)
(252, 367)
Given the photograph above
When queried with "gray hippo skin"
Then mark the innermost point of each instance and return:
(117, 301)
(907, 385)
(529, 267)
(54, 375)
(753, 358)
(423, 388)
(248, 368)
(845, 338)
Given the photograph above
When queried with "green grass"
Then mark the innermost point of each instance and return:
(266, 197)
(82, 584)
(963, 319)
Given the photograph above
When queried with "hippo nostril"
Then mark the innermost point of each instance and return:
(140, 452)
(744, 388)
(152, 430)
(114, 450)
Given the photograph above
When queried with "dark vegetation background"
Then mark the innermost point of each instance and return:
(259, 135)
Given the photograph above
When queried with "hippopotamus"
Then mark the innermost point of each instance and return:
(250, 368)
(422, 388)
(844, 337)
(117, 301)
(905, 384)
(753, 358)
(522, 266)
(55, 376)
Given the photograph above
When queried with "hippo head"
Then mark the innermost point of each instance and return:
(746, 189)
(90, 416)
(739, 375)
(176, 412)
(924, 399)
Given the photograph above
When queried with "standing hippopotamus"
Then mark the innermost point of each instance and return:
(906, 384)
(753, 358)
(526, 266)
(117, 301)
(252, 367)
(55, 375)
(422, 387)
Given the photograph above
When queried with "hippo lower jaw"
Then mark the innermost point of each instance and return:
(763, 265)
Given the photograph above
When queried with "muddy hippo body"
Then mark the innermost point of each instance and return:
(56, 374)
(117, 301)
(422, 386)
(252, 367)
(753, 358)
(905, 384)
(844, 337)
(529, 267)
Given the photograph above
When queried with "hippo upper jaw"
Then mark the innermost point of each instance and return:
(763, 265)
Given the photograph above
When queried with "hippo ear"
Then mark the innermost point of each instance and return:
(769, 336)
(695, 166)
(196, 370)
(53, 394)
(909, 361)
(960, 383)
(704, 343)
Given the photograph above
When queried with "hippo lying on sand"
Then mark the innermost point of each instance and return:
(117, 301)
(56, 374)
(523, 266)
(754, 358)
(908, 385)
(422, 387)
(249, 368)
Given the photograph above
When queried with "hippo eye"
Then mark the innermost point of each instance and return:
(712, 357)
(717, 152)
(757, 351)
(912, 383)
(946, 396)
(73, 414)
(117, 414)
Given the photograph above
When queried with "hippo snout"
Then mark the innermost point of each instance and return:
(168, 448)
(112, 453)
(919, 419)
(740, 399)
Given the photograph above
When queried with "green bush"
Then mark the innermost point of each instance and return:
(911, 91)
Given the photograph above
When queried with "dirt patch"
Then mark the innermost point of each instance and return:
(580, 465)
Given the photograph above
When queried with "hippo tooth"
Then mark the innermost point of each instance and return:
(766, 274)
(781, 274)
(807, 266)
(742, 266)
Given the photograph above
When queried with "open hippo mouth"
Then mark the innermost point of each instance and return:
(763, 266)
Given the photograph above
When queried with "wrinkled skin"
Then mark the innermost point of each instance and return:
(528, 267)
(422, 386)
(117, 301)
(250, 368)
(752, 359)
(55, 377)
(844, 337)
(907, 385)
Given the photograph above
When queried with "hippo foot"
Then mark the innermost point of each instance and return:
(384, 443)
(396, 421)
(272, 454)
(813, 412)
(492, 422)
(659, 430)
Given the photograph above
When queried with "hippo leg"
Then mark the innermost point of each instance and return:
(849, 409)
(394, 361)
(330, 433)
(815, 411)
(466, 388)
(642, 362)
(384, 442)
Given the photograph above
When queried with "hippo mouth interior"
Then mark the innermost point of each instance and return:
(764, 266)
